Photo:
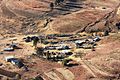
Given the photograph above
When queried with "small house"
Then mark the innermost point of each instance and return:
(8, 49)
(97, 38)
(14, 61)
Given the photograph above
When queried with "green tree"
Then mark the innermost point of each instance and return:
(65, 61)
(106, 33)
(51, 6)
(35, 41)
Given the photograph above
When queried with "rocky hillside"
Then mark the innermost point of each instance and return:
(31, 16)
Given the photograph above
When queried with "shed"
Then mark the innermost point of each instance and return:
(8, 49)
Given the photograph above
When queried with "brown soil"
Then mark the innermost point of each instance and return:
(72, 17)
(21, 17)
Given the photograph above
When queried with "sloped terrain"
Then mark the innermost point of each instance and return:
(106, 57)
(101, 64)
(86, 15)
(21, 17)
(97, 18)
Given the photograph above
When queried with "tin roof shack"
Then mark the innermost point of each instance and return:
(93, 41)
(57, 47)
(8, 49)
(66, 52)
(96, 39)
(8, 57)
(64, 35)
(51, 47)
(30, 39)
(14, 46)
(45, 42)
(56, 55)
(53, 42)
(87, 46)
(50, 41)
(27, 39)
(90, 41)
(79, 43)
(16, 62)
(63, 47)
(51, 36)
(41, 37)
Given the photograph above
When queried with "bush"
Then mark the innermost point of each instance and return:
(106, 33)
(65, 61)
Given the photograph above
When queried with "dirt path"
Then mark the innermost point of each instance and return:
(52, 75)
(60, 74)
(85, 66)
(5, 10)
(96, 70)
(65, 73)
(92, 69)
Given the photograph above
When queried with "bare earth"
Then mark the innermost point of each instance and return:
(19, 18)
